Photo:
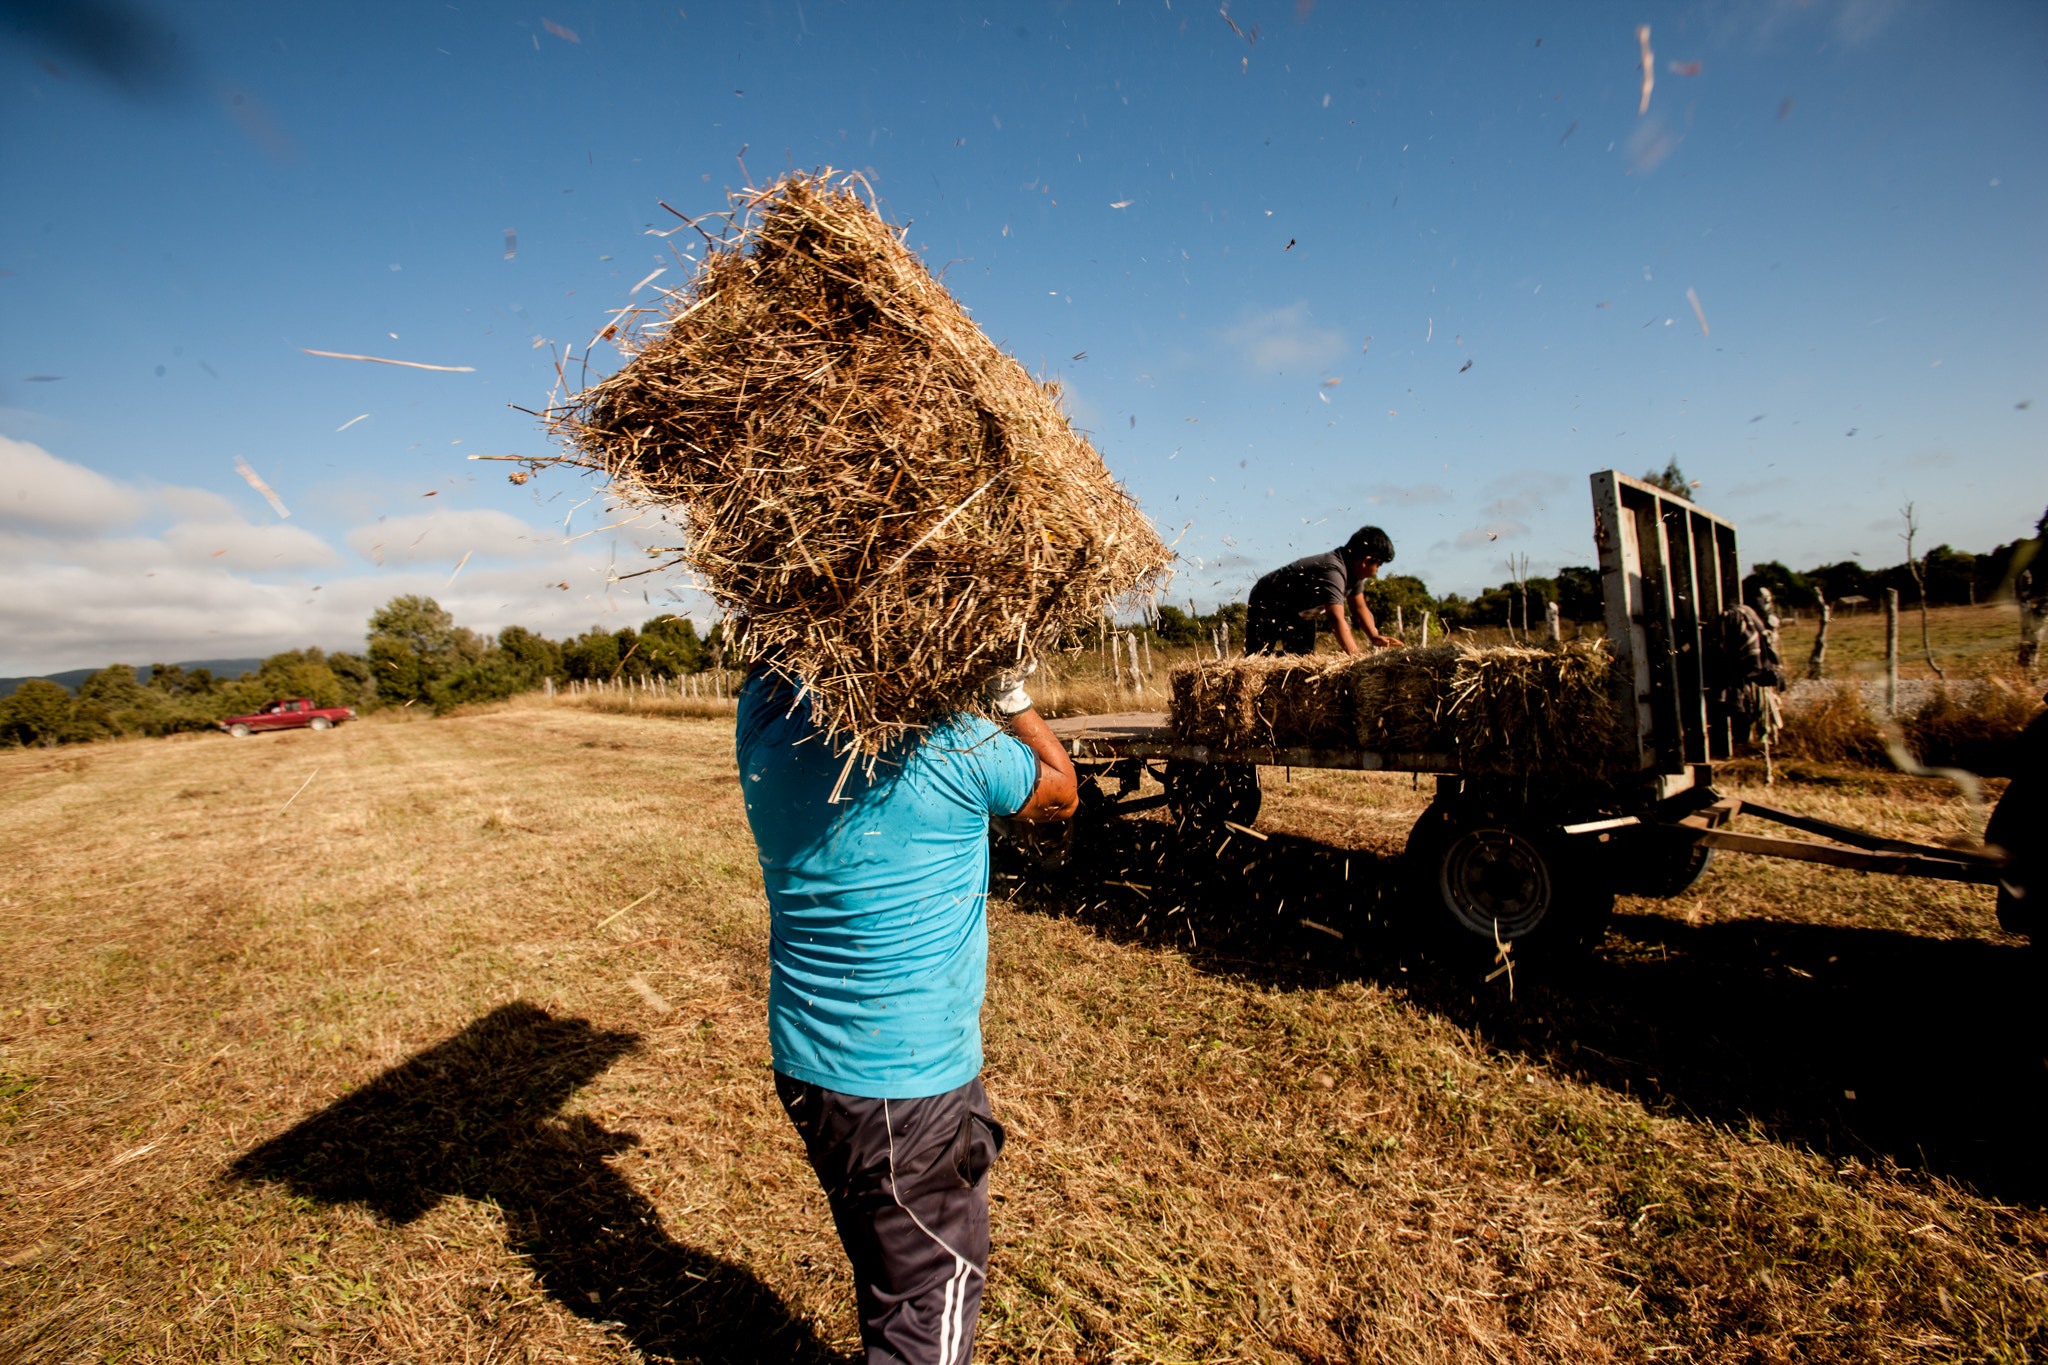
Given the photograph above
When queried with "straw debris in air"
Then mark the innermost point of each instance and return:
(891, 505)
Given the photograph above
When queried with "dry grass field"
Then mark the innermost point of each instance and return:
(443, 1041)
(1967, 642)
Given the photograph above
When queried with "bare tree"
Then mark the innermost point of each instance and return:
(1920, 584)
(1518, 570)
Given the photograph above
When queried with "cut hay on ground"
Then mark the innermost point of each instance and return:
(893, 506)
(1506, 709)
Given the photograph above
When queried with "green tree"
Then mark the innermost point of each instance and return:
(1787, 587)
(671, 647)
(1177, 627)
(39, 712)
(591, 655)
(1672, 480)
(536, 656)
(113, 702)
(413, 644)
(1404, 591)
(1579, 596)
(357, 676)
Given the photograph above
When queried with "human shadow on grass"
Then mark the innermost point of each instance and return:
(1863, 1042)
(476, 1117)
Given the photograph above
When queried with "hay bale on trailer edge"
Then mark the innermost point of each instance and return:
(1516, 709)
(892, 505)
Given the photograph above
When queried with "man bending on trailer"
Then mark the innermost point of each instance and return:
(878, 955)
(1289, 603)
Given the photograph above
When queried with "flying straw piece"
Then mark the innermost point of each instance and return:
(295, 795)
(256, 482)
(511, 244)
(459, 563)
(352, 421)
(663, 270)
(380, 360)
(1649, 68)
(1123, 203)
(1694, 300)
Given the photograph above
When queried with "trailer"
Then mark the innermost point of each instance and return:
(1529, 859)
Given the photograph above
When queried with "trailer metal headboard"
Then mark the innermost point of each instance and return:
(1667, 569)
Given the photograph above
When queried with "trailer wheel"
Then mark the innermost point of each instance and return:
(1519, 880)
(1202, 796)
(1650, 861)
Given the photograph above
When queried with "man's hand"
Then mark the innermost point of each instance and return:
(1005, 692)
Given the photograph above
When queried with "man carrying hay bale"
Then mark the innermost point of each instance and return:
(896, 512)
(877, 881)
(1288, 603)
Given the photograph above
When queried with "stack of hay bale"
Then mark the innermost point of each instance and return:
(1503, 709)
(890, 505)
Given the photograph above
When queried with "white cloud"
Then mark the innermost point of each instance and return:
(1283, 339)
(99, 571)
(39, 490)
(444, 535)
(1406, 495)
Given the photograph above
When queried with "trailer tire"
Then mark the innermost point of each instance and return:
(1481, 877)
(1659, 862)
(1204, 796)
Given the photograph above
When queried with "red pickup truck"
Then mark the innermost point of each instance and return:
(288, 714)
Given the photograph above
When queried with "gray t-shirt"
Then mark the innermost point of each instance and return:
(1307, 587)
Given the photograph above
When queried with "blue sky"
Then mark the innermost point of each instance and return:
(1260, 265)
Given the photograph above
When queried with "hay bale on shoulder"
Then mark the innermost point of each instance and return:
(890, 504)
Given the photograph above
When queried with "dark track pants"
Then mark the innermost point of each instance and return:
(908, 1185)
(1269, 630)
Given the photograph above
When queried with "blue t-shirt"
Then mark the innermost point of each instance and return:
(878, 928)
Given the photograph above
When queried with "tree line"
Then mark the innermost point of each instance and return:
(414, 654)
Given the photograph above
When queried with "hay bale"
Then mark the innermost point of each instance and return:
(1401, 699)
(1198, 701)
(1509, 709)
(891, 505)
(1525, 710)
(1280, 701)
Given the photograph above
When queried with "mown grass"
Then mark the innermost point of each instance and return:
(410, 1070)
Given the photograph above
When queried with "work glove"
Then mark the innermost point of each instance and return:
(1005, 692)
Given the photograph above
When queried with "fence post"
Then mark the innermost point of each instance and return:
(1400, 621)
(1425, 630)
(1146, 640)
(1226, 639)
(1891, 652)
(548, 686)
(1553, 629)
(1817, 662)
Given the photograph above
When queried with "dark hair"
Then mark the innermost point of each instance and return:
(1370, 542)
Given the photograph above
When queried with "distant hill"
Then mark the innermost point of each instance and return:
(71, 677)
